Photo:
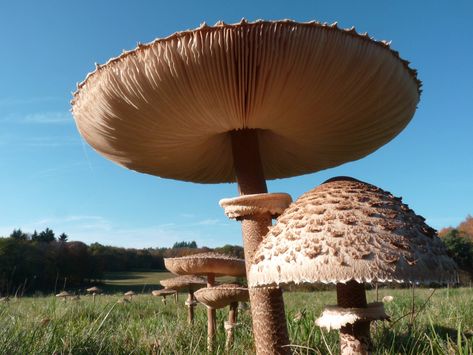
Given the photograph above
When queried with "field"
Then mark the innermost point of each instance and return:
(45, 325)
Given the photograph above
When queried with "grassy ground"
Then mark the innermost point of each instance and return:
(45, 325)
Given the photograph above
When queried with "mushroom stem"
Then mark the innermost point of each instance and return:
(232, 319)
(267, 305)
(176, 297)
(164, 300)
(93, 296)
(211, 317)
(354, 338)
(190, 306)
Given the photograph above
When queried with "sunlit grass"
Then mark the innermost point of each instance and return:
(46, 325)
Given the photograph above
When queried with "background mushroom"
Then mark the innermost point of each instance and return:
(94, 291)
(348, 233)
(221, 296)
(189, 283)
(63, 295)
(211, 265)
(163, 293)
(245, 103)
(129, 295)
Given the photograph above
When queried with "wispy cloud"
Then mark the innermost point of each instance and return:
(208, 222)
(43, 118)
(16, 101)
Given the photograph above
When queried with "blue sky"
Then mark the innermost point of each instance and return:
(49, 177)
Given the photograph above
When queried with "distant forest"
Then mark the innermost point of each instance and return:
(43, 262)
(31, 262)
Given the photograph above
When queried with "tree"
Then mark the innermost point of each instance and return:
(184, 244)
(18, 235)
(45, 236)
(63, 238)
(460, 249)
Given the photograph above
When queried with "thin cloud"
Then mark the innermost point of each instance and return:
(41, 118)
(15, 101)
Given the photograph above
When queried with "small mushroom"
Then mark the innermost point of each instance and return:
(129, 295)
(221, 296)
(63, 295)
(94, 291)
(163, 293)
(211, 265)
(358, 253)
(187, 282)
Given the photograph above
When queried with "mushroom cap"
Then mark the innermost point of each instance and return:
(206, 263)
(222, 295)
(318, 95)
(64, 294)
(345, 230)
(163, 292)
(130, 293)
(186, 282)
(94, 289)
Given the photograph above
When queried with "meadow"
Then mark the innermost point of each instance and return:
(442, 323)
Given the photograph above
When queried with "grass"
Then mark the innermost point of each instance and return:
(45, 325)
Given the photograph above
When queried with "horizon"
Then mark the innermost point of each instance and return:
(53, 178)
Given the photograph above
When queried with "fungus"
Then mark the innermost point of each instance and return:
(221, 296)
(187, 283)
(211, 265)
(370, 256)
(248, 102)
(129, 295)
(63, 295)
(163, 293)
(94, 291)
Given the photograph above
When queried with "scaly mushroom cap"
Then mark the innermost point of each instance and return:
(185, 282)
(94, 289)
(319, 95)
(163, 292)
(222, 295)
(64, 294)
(345, 230)
(206, 263)
(130, 293)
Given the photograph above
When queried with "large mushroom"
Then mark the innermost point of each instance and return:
(187, 283)
(245, 103)
(348, 233)
(211, 265)
(221, 296)
(163, 293)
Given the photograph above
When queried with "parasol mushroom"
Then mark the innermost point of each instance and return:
(209, 264)
(63, 295)
(129, 295)
(248, 102)
(163, 293)
(189, 283)
(348, 233)
(221, 296)
(94, 290)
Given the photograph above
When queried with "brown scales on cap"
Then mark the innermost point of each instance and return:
(374, 237)
(206, 263)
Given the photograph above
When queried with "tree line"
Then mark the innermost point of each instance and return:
(40, 261)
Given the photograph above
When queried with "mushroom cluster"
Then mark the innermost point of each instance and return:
(347, 232)
(209, 265)
(248, 102)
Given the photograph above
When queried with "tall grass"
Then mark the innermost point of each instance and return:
(46, 325)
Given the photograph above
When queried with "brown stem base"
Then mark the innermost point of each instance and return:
(232, 319)
(354, 338)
